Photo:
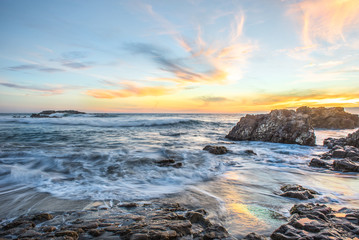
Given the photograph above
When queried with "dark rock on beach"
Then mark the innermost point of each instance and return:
(330, 118)
(297, 191)
(319, 163)
(313, 221)
(147, 221)
(47, 113)
(218, 150)
(279, 126)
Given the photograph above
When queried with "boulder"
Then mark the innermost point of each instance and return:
(279, 126)
(315, 162)
(345, 165)
(218, 150)
(297, 191)
(330, 118)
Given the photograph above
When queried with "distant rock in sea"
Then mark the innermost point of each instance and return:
(48, 113)
(279, 126)
(330, 118)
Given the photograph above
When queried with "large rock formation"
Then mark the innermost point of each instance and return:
(279, 126)
(331, 118)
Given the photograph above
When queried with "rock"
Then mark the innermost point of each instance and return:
(250, 152)
(279, 126)
(68, 233)
(30, 234)
(351, 140)
(168, 163)
(315, 162)
(314, 221)
(301, 195)
(42, 217)
(48, 229)
(330, 118)
(95, 232)
(255, 236)
(128, 205)
(19, 223)
(218, 150)
(48, 113)
(297, 191)
(338, 153)
(345, 165)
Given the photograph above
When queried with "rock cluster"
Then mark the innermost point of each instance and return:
(313, 221)
(147, 221)
(297, 191)
(279, 126)
(330, 118)
(218, 150)
(341, 156)
(47, 113)
(352, 140)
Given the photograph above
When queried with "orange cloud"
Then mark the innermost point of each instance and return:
(130, 90)
(326, 20)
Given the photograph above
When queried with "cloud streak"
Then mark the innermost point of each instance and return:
(44, 90)
(129, 90)
(35, 67)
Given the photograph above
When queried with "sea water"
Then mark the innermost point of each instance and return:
(106, 157)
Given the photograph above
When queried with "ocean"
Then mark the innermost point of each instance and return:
(48, 163)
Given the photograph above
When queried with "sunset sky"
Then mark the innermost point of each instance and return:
(178, 56)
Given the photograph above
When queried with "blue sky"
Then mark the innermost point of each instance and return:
(178, 56)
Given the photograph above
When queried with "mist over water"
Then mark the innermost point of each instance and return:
(113, 157)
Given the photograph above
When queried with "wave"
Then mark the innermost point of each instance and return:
(99, 122)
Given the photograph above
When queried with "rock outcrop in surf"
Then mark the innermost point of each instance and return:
(50, 113)
(330, 118)
(279, 126)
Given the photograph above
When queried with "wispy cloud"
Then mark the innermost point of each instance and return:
(205, 61)
(326, 20)
(130, 90)
(44, 90)
(35, 67)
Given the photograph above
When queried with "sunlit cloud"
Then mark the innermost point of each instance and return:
(326, 20)
(207, 62)
(130, 90)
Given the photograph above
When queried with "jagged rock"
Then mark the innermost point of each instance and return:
(314, 221)
(330, 118)
(169, 163)
(279, 126)
(154, 220)
(297, 191)
(218, 150)
(250, 152)
(315, 162)
(345, 165)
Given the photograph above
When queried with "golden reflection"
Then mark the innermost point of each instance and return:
(242, 213)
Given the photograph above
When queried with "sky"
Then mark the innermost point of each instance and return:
(201, 56)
